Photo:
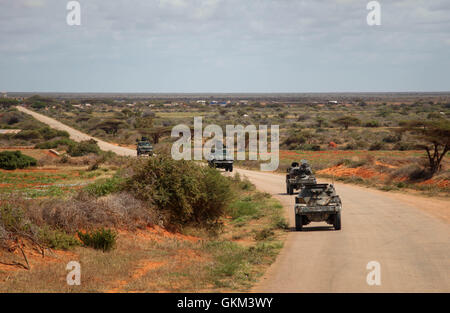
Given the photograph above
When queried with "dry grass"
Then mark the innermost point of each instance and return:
(150, 259)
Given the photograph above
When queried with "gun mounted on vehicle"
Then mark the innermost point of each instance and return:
(298, 175)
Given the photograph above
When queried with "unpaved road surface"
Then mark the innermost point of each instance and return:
(411, 245)
(77, 135)
(408, 235)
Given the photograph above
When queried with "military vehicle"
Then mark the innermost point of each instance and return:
(218, 160)
(298, 175)
(144, 147)
(317, 203)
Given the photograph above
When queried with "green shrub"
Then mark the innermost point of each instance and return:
(53, 144)
(38, 105)
(401, 185)
(6, 102)
(11, 160)
(102, 239)
(352, 163)
(49, 133)
(12, 218)
(372, 124)
(83, 148)
(57, 239)
(183, 191)
(104, 187)
(28, 134)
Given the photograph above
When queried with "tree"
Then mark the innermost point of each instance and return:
(7, 102)
(111, 126)
(347, 121)
(145, 122)
(156, 133)
(434, 138)
(320, 120)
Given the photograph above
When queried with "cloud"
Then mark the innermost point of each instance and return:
(34, 3)
(267, 37)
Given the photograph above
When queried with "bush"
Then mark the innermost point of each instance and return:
(183, 191)
(49, 133)
(372, 124)
(310, 147)
(12, 219)
(83, 148)
(28, 134)
(57, 239)
(102, 239)
(404, 146)
(55, 143)
(11, 160)
(391, 139)
(352, 163)
(376, 146)
(104, 187)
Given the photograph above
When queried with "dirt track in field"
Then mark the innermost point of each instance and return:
(408, 235)
(76, 134)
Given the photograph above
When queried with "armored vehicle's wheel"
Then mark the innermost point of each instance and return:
(298, 222)
(337, 221)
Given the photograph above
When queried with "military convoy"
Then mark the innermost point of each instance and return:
(144, 147)
(315, 202)
(298, 175)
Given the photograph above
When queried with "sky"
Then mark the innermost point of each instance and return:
(224, 46)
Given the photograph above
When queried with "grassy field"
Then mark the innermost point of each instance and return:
(51, 179)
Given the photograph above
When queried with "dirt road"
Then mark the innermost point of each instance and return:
(405, 234)
(77, 135)
(412, 246)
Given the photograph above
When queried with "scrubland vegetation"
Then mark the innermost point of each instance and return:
(215, 214)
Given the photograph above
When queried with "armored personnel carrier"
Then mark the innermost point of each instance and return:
(298, 175)
(144, 147)
(218, 160)
(317, 203)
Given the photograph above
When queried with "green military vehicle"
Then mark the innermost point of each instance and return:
(219, 160)
(298, 175)
(318, 203)
(144, 147)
